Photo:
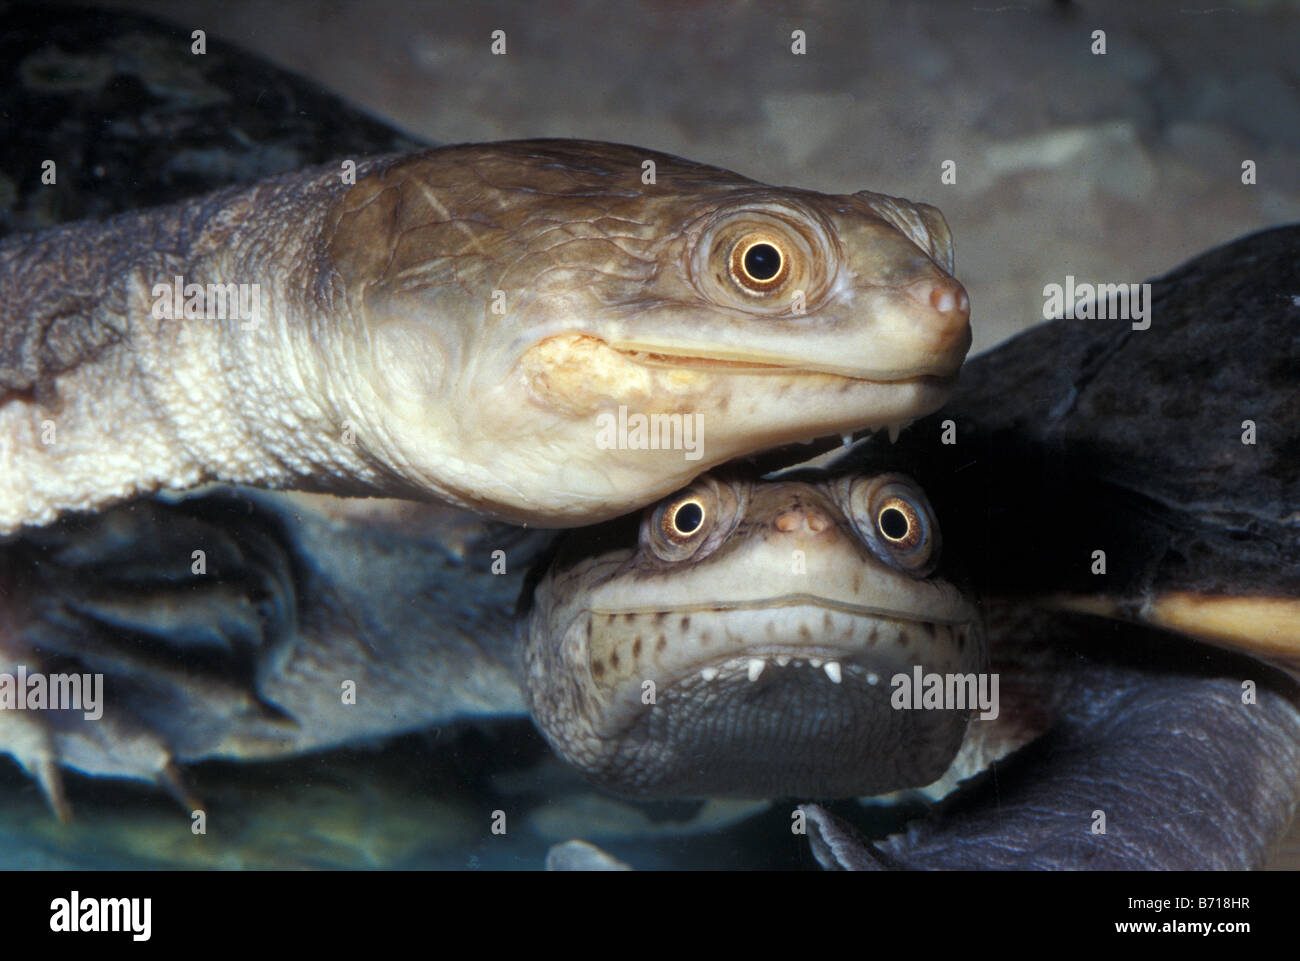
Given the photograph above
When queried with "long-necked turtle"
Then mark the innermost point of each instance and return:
(460, 324)
(180, 398)
(740, 638)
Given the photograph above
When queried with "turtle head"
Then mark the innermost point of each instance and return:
(600, 323)
(746, 639)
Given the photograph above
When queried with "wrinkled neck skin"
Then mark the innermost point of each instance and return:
(105, 400)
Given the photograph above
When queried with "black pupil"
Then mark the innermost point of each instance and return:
(762, 261)
(894, 523)
(688, 518)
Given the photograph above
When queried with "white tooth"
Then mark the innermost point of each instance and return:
(846, 440)
(832, 670)
(894, 431)
(709, 673)
(872, 678)
(782, 660)
(756, 665)
(815, 662)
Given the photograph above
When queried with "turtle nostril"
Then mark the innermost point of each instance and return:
(946, 323)
(945, 296)
(793, 520)
(786, 522)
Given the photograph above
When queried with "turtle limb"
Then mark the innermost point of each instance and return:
(838, 847)
(160, 656)
(110, 740)
(121, 744)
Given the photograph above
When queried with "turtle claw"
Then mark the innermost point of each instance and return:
(115, 743)
(114, 746)
(50, 780)
(170, 780)
(26, 739)
(25, 735)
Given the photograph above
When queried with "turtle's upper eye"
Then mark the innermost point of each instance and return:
(764, 256)
(759, 262)
(895, 520)
(690, 523)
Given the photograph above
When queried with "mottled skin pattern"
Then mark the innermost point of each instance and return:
(454, 323)
(769, 636)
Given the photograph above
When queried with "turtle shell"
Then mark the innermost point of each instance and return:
(1146, 474)
(131, 125)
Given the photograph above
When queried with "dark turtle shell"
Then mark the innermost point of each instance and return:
(1175, 450)
(133, 119)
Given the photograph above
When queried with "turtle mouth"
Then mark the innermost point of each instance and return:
(583, 375)
(762, 644)
(752, 701)
(739, 362)
(562, 350)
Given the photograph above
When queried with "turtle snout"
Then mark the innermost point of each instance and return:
(801, 519)
(949, 305)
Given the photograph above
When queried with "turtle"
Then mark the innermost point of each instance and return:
(460, 324)
(101, 411)
(737, 638)
(1132, 717)
(231, 655)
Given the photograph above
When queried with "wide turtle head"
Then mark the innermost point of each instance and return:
(746, 639)
(559, 331)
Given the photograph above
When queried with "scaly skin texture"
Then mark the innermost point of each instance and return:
(455, 325)
(768, 638)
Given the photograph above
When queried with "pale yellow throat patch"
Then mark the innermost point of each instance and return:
(579, 375)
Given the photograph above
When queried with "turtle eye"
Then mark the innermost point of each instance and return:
(682, 519)
(896, 521)
(759, 263)
(899, 523)
(763, 257)
(691, 523)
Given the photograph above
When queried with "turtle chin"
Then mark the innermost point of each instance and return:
(791, 732)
